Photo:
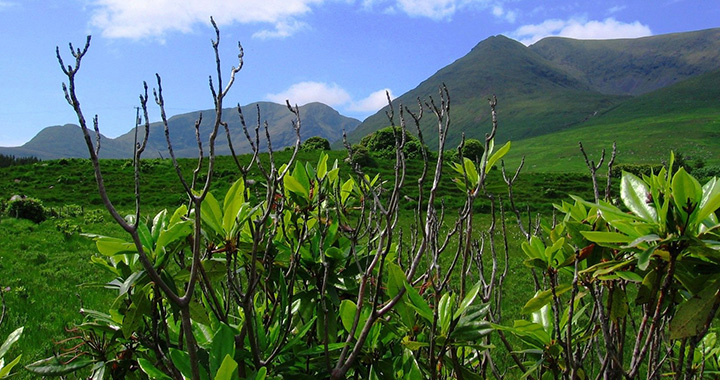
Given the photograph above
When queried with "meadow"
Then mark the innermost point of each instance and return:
(46, 273)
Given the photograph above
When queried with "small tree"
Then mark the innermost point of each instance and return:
(315, 143)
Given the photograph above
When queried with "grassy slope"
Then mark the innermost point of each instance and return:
(634, 66)
(529, 89)
(684, 117)
(43, 268)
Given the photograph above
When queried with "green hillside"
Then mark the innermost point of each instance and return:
(529, 88)
(634, 66)
(684, 117)
(559, 87)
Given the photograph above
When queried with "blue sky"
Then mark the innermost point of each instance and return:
(345, 53)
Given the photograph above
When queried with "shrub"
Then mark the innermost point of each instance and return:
(473, 149)
(382, 143)
(361, 156)
(27, 208)
(315, 143)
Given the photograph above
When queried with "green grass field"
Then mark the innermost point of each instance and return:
(45, 268)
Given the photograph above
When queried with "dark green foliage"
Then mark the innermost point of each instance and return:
(10, 160)
(361, 156)
(637, 169)
(473, 149)
(27, 208)
(315, 143)
(382, 143)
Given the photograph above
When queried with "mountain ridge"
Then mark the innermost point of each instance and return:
(317, 120)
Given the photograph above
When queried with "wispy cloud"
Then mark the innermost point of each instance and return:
(137, 19)
(6, 5)
(308, 92)
(580, 29)
(373, 103)
(331, 94)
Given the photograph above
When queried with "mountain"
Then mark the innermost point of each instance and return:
(64, 141)
(317, 119)
(634, 66)
(557, 84)
(683, 117)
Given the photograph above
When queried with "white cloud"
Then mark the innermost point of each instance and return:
(6, 5)
(142, 18)
(307, 92)
(500, 12)
(333, 95)
(616, 9)
(439, 9)
(373, 103)
(580, 29)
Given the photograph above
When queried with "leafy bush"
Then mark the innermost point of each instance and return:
(473, 149)
(315, 143)
(361, 156)
(381, 143)
(27, 208)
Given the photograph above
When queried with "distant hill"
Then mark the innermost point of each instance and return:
(317, 119)
(65, 141)
(557, 84)
(684, 117)
(634, 66)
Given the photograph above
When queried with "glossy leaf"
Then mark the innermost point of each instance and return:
(686, 190)
(691, 316)
(10, 340)
(223, 344)
(234, 199)
(498, 155)
(418, 303)
(606, 237)
(152, 371)
(634, 194)
(227, 369)
(53, 366)
(543, 298)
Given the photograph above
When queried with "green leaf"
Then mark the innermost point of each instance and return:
(629, 276)
(691, 315)
(175, 232)
(498, 155)
(52, 366)
(634, 194)
(543, 298)
(322, 166)
(5, 370)
(618, 304)
(152, 371)
(710, 199)
(227, 369)
(234, 199)
(293, 185)
(418, 303)
(223, 344)
(686, 190)
(11, 339)
(109, 246)
(468, 300)
(606, 237)
(260, 375)
(472, 174)
(348, 308)
(643, 257)
(445, 311)
(211, 214)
